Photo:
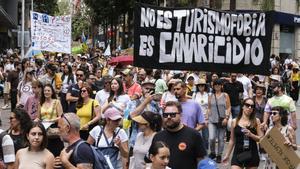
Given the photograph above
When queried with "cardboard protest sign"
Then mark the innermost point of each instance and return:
(202, 39)
(51, 33)
(284, 157)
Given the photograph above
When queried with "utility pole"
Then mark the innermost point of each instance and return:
(23, 27)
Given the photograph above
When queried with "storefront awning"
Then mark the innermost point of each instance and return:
(283, 18)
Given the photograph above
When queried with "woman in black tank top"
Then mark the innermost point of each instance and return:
(245, 133)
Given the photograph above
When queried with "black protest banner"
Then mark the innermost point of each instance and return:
(202, 39)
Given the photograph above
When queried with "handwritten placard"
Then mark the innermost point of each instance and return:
(51, 33)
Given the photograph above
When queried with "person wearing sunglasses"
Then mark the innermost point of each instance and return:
(279, 118)
(88, 111)
(74, 91)
(219, 110)
(19, 122)
(282, 100)
(185, 143)
(245, 129)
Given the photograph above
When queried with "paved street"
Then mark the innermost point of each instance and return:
(6, 113)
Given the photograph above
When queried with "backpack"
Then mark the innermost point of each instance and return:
(111, 152)
(99, 159)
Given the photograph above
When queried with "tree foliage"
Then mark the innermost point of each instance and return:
(49, 7)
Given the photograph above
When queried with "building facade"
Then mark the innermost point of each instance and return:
(8, 22)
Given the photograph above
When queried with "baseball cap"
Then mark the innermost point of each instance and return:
(83, 57)
(112, 113)
(148, 82)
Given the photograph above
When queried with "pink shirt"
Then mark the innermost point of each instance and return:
(31, 106)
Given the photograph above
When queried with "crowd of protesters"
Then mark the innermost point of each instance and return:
(154, 119)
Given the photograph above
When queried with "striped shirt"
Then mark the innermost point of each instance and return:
(8, 149)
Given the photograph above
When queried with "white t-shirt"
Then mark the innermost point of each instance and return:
(26, 91)
(94, 133)
(102, 96)
(246, 85)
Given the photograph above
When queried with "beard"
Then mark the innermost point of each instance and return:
(276, 92)
(173, 125)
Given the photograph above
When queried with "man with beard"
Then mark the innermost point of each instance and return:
(282, 100)
(69, 126)
(186, 144)
(192, 115)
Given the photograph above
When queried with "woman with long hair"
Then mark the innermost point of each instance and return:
(50, 110)
(36, 154)
(117, 95)
(219, 110)
(67, 79)
(149, 123)
(280, 120)
(20, 122)
(245, 133)
(110, 134)
(88, 110)
(25, 87)
(260, 101)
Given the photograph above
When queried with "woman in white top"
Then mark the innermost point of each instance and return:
(25, 87)
(280, 121)
(201, 97)
(111, 133)
(116, 95)
(36, 156)
(159, 155)
(169, 94)
(149, 123)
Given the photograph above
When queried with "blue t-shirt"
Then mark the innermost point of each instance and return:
(191, 113)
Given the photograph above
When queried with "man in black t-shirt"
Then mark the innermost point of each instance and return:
(69, 125)
(235, 91)
(186, 144)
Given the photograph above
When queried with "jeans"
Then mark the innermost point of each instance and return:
(205, 135)
(235, 110)
(216, 133)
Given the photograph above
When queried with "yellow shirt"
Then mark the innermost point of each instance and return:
(85, 112)
(49, 113)
(295, 77)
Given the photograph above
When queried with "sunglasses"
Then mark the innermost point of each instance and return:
(249, 105)
(171, 114)
(80, 75)
(274, 113)
(64, 117)
(10, 118)
(83, 91)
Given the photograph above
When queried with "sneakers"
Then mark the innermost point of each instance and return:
(212, 156)
(219, 159)
(5, 106)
